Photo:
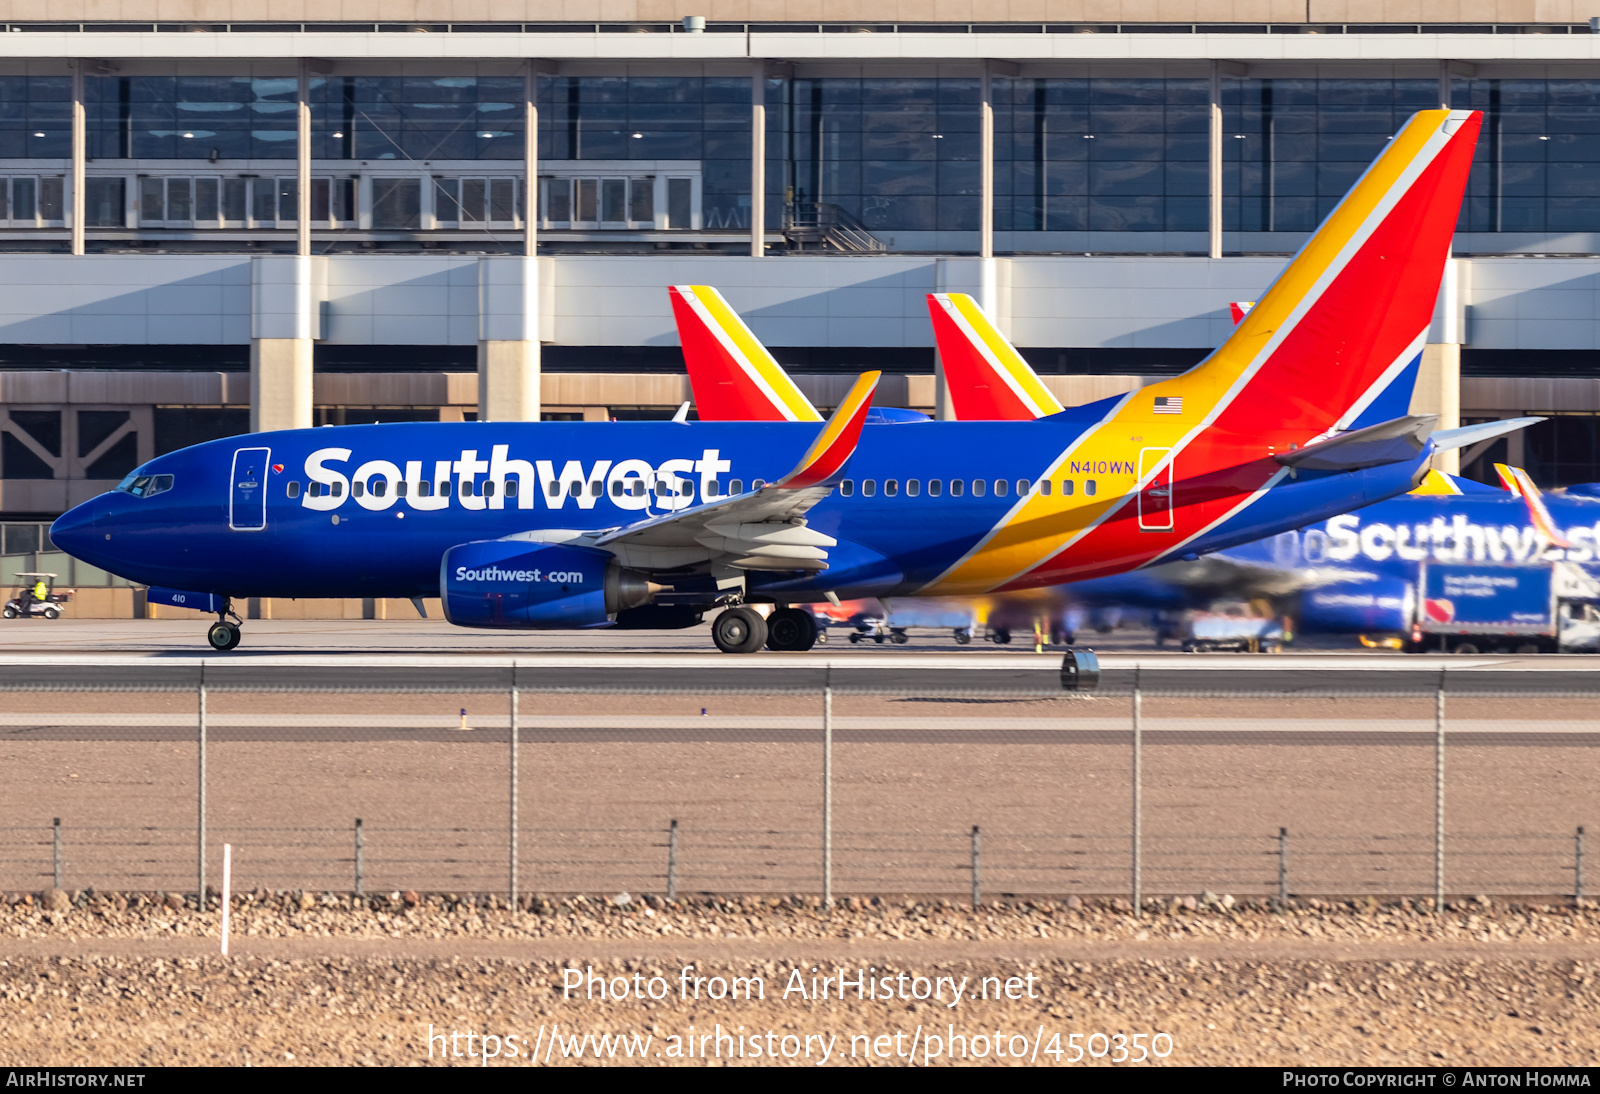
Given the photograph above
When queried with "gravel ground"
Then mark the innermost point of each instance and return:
(112, 980)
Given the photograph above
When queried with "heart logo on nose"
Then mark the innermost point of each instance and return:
(278, 467)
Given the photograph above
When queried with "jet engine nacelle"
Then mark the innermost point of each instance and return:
(504, 583)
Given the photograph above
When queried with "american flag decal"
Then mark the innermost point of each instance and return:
(1169, 404)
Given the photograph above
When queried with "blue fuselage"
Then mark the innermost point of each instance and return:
(320, 513)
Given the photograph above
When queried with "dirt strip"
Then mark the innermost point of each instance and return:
(746, 980)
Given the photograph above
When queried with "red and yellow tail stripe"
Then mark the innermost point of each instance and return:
(1519, 482)
(733, 376)
(986, 379)
(1347, 312)
(837, 441)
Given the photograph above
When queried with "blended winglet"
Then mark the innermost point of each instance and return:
(732, 375)
(1519, 482)
(827, 455)
(985, 378)
(1239, 309)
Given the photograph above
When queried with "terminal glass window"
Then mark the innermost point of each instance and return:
(1537, 167)
(1101, 155)
(704, 119)
(1293, 147)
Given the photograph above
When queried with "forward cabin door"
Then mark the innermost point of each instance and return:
(1155, 500)
(247, 497)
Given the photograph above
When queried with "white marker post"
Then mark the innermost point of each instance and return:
(227, 896)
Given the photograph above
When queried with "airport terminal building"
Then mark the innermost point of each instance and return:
(219, 215)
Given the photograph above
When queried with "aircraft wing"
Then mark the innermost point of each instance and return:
(760, 529)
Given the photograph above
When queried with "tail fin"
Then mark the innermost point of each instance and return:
(733, 376)
(985, 378)
(1317, 348)
(1519, 482)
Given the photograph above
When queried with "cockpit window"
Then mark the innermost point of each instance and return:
(145, 486)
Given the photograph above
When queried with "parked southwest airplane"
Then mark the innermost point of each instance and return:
(1298, 416)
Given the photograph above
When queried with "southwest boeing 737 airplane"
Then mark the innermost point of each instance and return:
(1300, 415)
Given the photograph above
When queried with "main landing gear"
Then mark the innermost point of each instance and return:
(743, 630)
(223, 634)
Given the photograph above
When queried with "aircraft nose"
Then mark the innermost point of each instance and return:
(74, 530)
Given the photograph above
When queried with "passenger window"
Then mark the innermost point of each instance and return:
(736, 487)
(758, 484)
(1088, 487)
(636, 488)
(957, 488)
(686, 489)
(357, 488)
(847, 488)
(1001, 487)
(1023, 487)
(935, 487)
(338, 489)
(913, 488)
(400, 488)
(1044, 487)
(891, 487)
(978, 488)
(314, 489)
(869, 487)
(554, 490)
(1066, 488)
(424, 489)
(488, 488)
(616, 488)
(379, 487)
(512, 484)
(294, 489)
(444, 489)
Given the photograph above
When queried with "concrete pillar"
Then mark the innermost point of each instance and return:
(80, 158)
(530, 158)
(508, 339)
(303, 163)
(1214, 218)
(1438, 389)
(758, 160)
(986, 169)
(282, 328)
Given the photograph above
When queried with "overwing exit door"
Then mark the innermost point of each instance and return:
(247, 491)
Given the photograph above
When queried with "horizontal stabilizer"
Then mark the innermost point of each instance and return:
(1446, 439)
(1395, 441)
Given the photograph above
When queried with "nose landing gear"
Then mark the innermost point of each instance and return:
(223, 634)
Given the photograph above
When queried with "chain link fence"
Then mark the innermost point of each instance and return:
(483, 777)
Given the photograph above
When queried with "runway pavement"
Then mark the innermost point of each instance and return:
(432, 656)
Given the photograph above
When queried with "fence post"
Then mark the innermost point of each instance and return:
(977, 875)
(361, 879)
(827, 786)
(514, 772)
(1138, 776)
(672, 861)
(58, 871)
(1438, 796)
(1283, 868)
(200, 824)
(1577, 867)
